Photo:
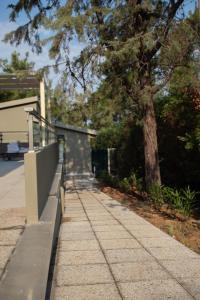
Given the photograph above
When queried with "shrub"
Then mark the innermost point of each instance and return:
(172, 197)
(183, 200)
(156, 194)
(125, 185)
(136, 181)
(188, 200)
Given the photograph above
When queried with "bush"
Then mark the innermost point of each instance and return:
(108, 179)
(136, 181)
(156, 194)
(188, 200)
(172, 197)
(183, 200)
(125, 185)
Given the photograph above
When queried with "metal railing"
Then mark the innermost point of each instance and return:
(40, 132)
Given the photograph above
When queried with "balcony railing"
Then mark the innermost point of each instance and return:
(40, 132)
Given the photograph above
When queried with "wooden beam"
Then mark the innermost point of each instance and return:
(18, 81)
(18, 86)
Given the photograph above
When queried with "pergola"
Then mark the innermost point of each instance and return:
(14, 82)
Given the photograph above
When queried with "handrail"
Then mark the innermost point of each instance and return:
(47, 132)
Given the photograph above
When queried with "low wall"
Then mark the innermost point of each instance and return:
(40, 167)
(28, 268)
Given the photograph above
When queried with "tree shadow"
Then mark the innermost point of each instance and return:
(9, 166)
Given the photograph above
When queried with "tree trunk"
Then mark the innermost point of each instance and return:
(152, 169)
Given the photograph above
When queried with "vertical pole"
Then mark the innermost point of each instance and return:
(30, 132)
(43, 108)
(49, 109)
(108, 160)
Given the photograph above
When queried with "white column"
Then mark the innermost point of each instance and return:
(42, 98)
(43, 108)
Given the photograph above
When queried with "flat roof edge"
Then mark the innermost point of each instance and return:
(18, 102)
(77, 129)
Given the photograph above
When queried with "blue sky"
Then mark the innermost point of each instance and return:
(42, 59)
(6, 49)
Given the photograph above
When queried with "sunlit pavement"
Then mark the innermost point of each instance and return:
(105, 251)
(12, 211)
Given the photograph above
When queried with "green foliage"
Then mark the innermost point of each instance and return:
(136, 182)
(132, 47)
(156, 194)
(189, 200)
(183, 200)
(124, 185)
(173, 197)
(108, 137)
(20, 67)
(108, 179)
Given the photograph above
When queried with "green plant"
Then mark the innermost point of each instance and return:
(124, 185)
(156, 194)
(172, 197)
(182, 200)
(188, 200)
(136, 181)
(112, 181)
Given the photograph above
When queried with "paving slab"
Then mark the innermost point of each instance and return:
(135, 271)
(74, 228)
(73, 224)
(105, 222)
(120, 244)
(173, 253)
(12, 184)
(83, 274)
(81, 257)
(158, 242)
(101, 218)
(74, 219)
(99, 228)
(153, 290)
(9, 237)
(74, 236)
(128, 255)
(78, 245)
(5, 252)
(107, 235)
(192, 285)
(108, 252)
(183, 268)
(88, 292)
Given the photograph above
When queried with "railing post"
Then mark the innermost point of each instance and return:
(29, 111)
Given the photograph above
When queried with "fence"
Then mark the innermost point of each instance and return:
(41, 162)
(40, 132)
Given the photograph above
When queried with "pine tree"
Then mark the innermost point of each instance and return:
(20, 67)
(135, 45)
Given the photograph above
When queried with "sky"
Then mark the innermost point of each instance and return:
(6, 49)
(42, 59)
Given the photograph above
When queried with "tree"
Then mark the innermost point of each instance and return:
(135, 45)
(18, 66)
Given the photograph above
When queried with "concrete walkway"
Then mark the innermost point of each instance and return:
(12, 187)
(12, 211)
(107, 252)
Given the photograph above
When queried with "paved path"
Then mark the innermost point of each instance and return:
(107, 252)
(12, 189)
(12, 214)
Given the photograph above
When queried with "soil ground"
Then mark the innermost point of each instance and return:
(185, 230)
